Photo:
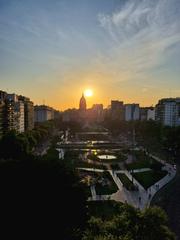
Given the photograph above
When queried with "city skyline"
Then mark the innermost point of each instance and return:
(127, 50)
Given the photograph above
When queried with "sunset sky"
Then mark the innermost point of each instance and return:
(51, 50)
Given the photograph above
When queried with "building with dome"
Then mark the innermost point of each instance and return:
(82, 103)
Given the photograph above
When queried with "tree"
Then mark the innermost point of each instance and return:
(130, 224)
(41, 199)
(14, 146)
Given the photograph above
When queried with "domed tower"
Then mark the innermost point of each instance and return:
(82, 103)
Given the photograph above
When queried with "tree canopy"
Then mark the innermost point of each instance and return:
(130, 224)
(41, 198)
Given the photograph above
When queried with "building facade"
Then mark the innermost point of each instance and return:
(168, 111)
(2, 117)
(132, 112)
(117, 110)
(17, 113)
(28, 113)
(147, 113)
(43, 113)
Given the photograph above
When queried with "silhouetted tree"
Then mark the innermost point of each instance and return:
(130, 224)
(41, 199)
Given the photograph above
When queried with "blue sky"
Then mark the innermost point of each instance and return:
(123, 49)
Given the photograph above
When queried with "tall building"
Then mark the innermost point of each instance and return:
(2, 95)
(43, 113)
(132, 112)
(82, 103)
(9, 120)
(17, 113)
(97, 112)
(117, 110)
(19, 116)
(2, 117)
(147, 113)
(168, 111)
(151, 113)
(28, 113)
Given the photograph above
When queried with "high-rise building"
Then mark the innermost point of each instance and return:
(17, 113)
(9, 120)
(97, 112)
(43, 113)
(2, 117)
(117, 110)
(2, 95)
(168, 111)
(147, 113)
(28, 113)
(82, 103)
(132, 112)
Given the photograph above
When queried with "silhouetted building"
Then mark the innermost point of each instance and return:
(97, 112)
(2, 117)
(9, 120)
(2, 95)
(70, 115)
(28, 113)
(117, 110)
(82, 103)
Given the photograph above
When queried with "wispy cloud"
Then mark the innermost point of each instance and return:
(141, 32)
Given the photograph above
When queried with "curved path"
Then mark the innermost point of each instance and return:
(141, 198)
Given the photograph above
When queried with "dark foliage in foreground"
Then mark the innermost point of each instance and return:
(40, 199)
(128, 223)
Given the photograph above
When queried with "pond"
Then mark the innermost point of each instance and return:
(106, 157)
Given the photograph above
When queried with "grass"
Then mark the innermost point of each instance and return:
(107, 189)
(143, 161)
(149, 178)
(126, 182)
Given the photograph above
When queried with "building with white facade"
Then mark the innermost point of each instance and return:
(43, 113)
(147, 113)
(168, 111)
(132, 112)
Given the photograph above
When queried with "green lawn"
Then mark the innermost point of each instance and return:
(126, 182)
(147, 179)
(107, 189)
(143, 161)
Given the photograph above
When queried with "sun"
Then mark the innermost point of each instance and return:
(88, 93)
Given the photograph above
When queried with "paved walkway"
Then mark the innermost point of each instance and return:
(141, 198)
